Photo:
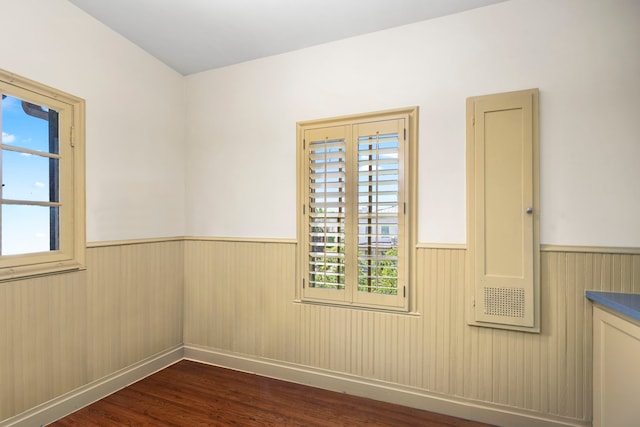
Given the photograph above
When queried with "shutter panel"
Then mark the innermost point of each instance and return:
(326, 151)
(380, 220)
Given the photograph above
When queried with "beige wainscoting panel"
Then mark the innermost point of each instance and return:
(60, 332)
(240, 298)
(63, 331)
(42, 337)
(135, 294)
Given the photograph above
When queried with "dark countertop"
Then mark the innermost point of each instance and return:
(626, 304)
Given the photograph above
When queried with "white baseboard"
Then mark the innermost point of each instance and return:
(70, 402)
(379, 390)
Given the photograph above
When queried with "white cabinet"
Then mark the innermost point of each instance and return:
(616, 365)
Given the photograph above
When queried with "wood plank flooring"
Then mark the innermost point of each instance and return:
(194, 394)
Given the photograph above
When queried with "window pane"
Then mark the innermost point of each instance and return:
(28, 229)
(29, 177)
(29, 126)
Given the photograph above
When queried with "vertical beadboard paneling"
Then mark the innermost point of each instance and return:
(135, 295)
(44, 326)
(62, 331)
(434, 350)
(235, 291)
(7, 353)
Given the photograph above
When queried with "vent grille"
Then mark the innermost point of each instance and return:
(506, 302)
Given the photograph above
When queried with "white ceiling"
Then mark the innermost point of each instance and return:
(196, 35)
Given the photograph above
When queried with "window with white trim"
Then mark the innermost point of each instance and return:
(42, 173)
(356, 226)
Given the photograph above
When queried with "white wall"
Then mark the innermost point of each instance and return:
(240, 136)
(583, 55)
(135, 114)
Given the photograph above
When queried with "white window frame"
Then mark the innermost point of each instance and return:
(71, 227)
(404, 300)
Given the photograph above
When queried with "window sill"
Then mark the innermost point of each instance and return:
(34, 271)
(359, 307)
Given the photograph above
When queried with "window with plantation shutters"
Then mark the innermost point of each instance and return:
(357, 195)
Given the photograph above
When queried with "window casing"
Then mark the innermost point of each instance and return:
(42, 215)
(356, 224)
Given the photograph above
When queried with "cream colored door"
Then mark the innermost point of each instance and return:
(502, 194)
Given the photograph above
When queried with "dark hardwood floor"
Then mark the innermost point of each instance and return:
(195, 394)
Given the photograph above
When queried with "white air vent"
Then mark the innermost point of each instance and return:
(505, 302)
